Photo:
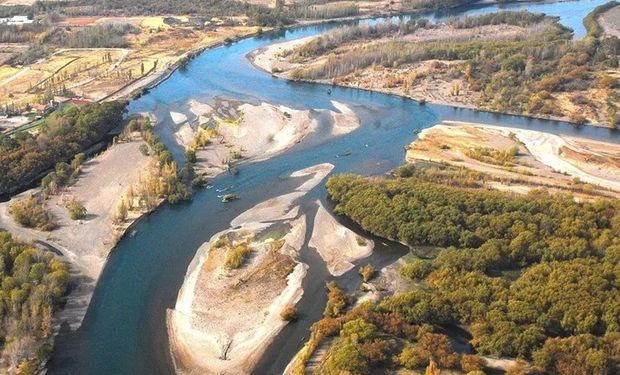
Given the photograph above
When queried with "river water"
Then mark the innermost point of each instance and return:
(124, 329)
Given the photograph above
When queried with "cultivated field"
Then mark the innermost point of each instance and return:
(96, 73)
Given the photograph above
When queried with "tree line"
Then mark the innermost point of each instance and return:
(62, 135)
(533, 277)
(32, 283)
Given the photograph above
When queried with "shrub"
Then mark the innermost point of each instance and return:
(31, 212)
(470, 362)
(367, 272)
(289, 313)
(236, 256)
(76, 210)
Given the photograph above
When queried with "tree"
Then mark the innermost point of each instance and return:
(346, 356)
(190, 155)
(367, 272)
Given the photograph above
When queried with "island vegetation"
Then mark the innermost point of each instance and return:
(530, 277)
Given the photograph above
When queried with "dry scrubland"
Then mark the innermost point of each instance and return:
(520, 160)
(112, 73)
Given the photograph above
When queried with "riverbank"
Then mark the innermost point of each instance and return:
(226, 315)
(333, 58)
(86, 243)
(520, 160)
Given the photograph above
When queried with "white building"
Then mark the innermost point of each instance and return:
(16, 20)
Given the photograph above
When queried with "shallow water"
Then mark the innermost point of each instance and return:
(124, 329)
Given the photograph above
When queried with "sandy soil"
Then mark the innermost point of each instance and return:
(544, 159)
(337, 245)
(273, 58)
(224, 319)
(251, 132)
(86, 243)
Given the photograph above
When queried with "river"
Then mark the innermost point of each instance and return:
(124, 329)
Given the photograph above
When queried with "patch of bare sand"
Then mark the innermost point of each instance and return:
(337, 245)
(543, 159)
(252, 132)
(272, 58)
(345, 121)
(610, 21)
(283, 206)
(547, 148)
(86, 243)
(199, 109)
(224, 319)
(178, 117)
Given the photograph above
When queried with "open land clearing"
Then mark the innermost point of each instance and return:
(238, 284)
(519, 160)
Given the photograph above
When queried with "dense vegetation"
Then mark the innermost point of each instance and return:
(32, 284)
(100, 36)
(63, 134)
(533, 277)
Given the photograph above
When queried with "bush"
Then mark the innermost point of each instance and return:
(470, 362)
(367, 272)
(289, 313)
(30, 212)
(76, 210)
(336, 301)
(190, 155)
(236, 256)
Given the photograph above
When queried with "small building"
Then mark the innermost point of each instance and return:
(16, 20)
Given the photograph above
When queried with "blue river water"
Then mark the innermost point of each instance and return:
(124, 330)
